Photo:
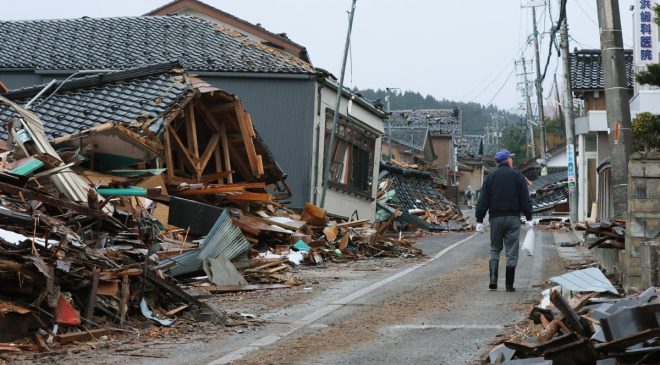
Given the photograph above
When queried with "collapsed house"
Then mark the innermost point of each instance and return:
(144, 121)
(415, 197)
(291, 102)
(549, 194)
(114, 184)
(450, 153)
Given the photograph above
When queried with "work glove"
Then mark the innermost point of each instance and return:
(530, 224)
(480, 227)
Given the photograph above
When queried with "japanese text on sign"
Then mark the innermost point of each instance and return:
(646, 33)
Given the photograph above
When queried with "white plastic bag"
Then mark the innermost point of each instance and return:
(528, 245)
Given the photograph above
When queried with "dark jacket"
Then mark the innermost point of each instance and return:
(504, 193)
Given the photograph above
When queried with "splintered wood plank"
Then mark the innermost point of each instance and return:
(214, 176)
(225, 152)
(247, 133)
(191, 130)
(208, 151)
(239, 288)
(82, 336)
(260, 166)
(224, 189)
(249, 196)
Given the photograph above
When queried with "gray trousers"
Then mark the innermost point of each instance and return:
(505, 233)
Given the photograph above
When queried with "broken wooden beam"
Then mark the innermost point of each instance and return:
(572, 319)
(240, 288)
(82, 335)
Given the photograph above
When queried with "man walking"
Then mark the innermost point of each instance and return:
(469, 196)
(504, 196)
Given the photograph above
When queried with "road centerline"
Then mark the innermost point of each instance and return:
(329, 308)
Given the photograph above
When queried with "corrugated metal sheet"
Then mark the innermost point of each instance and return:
(224, 239)
(586, 280)
(283, 114)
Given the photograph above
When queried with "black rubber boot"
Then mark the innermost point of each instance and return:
(493, 274)
(510, 276)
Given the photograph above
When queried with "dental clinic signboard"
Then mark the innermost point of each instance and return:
(645, 33)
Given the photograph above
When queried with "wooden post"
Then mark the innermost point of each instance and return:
(169, 161)
(91, 301)
(225, 150)
(217, 156)
(191, 130)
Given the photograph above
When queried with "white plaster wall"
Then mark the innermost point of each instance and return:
(338, 202)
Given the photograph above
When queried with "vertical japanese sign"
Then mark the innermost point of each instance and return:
(570, 171)
(645, 33)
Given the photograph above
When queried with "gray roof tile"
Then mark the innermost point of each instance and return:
(439, 121)
(587, 69)
(131, 42)
(81, 103)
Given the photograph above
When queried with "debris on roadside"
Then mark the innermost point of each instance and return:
(124, 213)
(604, 234)
(413, 197)
(584, 320)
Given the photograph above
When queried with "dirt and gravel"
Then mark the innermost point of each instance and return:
(440, 313)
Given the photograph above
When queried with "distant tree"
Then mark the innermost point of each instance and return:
(475, 115)
(514, 139)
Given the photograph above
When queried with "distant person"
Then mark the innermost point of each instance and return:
(469, 197)
(504, 196)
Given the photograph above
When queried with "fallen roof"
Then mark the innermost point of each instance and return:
(131, 42)
(470, 146)
(411, 137)
(415, 189)
(133, 98)
(549, 179)
(587, 69)
(439, 121)
(124, 96)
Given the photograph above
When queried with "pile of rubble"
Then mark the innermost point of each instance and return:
(415, 198)
(604, 234)
(127, 197)
(590, 324)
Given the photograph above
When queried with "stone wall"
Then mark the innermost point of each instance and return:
(643, 224)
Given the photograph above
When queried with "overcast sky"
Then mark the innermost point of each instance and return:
(458, 50)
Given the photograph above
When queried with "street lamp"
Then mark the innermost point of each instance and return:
(389, 125)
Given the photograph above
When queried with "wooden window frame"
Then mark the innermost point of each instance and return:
(354, 147)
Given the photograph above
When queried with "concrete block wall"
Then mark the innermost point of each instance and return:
(643, 224)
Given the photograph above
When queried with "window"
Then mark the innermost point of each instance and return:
(352, 162)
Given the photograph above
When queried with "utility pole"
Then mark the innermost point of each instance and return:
(560, 108)
(539, 84)
(331, 145)
(569, 117)
(616, 96)
(530, 113)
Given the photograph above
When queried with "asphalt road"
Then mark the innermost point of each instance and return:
(433, 310)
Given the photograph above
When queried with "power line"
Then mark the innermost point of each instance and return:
(490, 102)
(585, 13)
(492, 81)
